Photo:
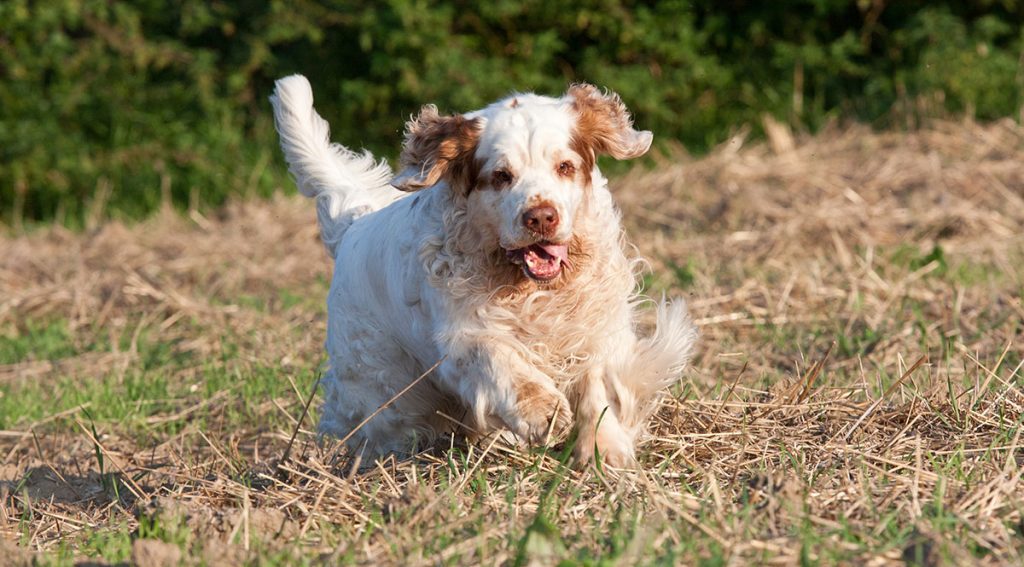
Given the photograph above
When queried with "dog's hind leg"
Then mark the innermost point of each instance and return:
(656, 362)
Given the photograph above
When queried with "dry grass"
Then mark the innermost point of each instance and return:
(857, 397)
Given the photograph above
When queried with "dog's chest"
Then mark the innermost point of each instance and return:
(560, 326)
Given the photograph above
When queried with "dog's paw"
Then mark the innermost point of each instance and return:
(610, 444)
(542, 410)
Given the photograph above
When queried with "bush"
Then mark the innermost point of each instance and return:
(112, 108)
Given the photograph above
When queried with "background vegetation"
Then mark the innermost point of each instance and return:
(112, 108)
(857, 396)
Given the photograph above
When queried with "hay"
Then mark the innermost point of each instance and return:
(859, 297)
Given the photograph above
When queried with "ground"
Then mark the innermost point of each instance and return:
(856, 398)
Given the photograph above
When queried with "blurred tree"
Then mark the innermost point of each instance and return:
(112, 108)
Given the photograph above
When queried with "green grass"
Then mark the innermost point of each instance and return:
(152, 386)
(36, 341)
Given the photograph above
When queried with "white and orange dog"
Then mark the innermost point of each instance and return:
(498, 251)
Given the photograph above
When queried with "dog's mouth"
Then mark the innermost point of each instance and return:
(541, 261)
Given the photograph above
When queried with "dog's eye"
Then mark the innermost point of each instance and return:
(566, 169)
(502, 177)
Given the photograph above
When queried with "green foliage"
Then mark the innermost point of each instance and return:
(113, 108)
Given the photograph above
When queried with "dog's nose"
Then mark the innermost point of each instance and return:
(541, 220)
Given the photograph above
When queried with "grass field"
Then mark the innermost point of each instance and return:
(857, 398)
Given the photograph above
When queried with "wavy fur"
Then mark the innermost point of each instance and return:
(428, 278)
(345, 184)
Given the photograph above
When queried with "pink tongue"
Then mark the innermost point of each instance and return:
(560, 251)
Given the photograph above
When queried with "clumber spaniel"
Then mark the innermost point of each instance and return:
(496, 250)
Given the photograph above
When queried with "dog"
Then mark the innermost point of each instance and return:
(488, 285)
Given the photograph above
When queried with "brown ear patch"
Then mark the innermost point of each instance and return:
(439, 147)
(604, 126)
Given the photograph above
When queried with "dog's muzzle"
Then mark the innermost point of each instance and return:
(541, 261)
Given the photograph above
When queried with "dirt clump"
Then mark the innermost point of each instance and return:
(155, 553)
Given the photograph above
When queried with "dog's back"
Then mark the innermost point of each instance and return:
(345, 184)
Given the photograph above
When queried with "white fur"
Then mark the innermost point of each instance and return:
(345, 184)
(414, 283)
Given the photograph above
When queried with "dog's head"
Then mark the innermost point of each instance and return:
(524, 166)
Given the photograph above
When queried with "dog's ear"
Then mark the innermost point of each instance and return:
(437, 147)
(603, 125)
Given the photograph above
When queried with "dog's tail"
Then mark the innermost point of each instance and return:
(345, 184)
(656, 364)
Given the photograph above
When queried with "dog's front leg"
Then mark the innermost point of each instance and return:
(500, 389)
(600, 433)
(603, 403)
